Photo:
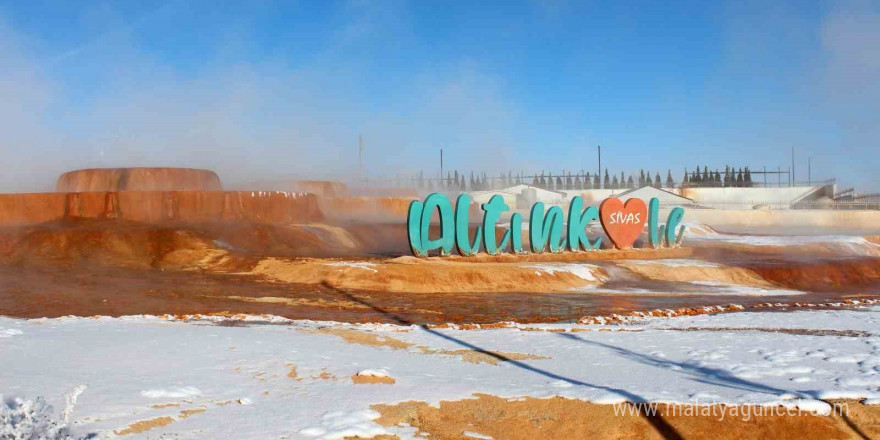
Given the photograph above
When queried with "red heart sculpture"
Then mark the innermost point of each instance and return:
(623, 223)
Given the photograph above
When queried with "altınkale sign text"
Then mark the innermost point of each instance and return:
(547, 229)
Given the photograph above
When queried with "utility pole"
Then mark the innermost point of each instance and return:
(441, 165)
(809, 170)
(792, 166)
(601, 182)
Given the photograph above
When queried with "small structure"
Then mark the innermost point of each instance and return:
(666, 198)
(522, 195)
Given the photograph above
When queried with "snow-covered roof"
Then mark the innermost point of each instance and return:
(647, 193)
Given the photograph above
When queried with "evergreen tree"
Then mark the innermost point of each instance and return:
(726, 180)
(577, 182)
(747, 179)
(657, 182)
(669, 182)
(569, 184)
(596, 181)
(550, 185)
(607, 180)
(535, 181)
(706, 174)
(614, 184)
(684, 179)
(630, 183)
(542, 182)
(739, 178)
(641, 178)
(717, 178)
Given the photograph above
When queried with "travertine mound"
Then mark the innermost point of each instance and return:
(155, 207)
(415, 275)
(138, 179)
(320, 188)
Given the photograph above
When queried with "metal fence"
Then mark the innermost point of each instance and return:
(788, 205)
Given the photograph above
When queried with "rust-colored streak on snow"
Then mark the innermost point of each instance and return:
(372, 380)
(190, 412)
(363, 338)
(560, 418)
(145, 425)
(470, 356)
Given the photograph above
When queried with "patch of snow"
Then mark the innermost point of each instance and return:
(735, 289)
(814, 406)
(373, 373)
(223, 244)
(583, 271)
(357, 264)
(342, 424)
(476, 435)
(9, 332)
(674, 262)
(735, 358)
(854, 244)
(171, 393)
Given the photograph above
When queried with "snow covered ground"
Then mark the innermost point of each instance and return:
(147, 377)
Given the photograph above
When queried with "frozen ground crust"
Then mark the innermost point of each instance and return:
(199, 380)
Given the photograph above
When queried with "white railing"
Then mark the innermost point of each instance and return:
(786, 205)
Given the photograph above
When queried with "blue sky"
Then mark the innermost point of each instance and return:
(269, 89)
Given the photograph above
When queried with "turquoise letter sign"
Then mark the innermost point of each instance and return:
(421, 219)
(493, 210)
(414, 228)
(543, 229)
(465, 246)
(577, 225)
(516, 233)
(675, 217)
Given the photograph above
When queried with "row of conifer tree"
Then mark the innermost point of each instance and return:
(455, 181)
